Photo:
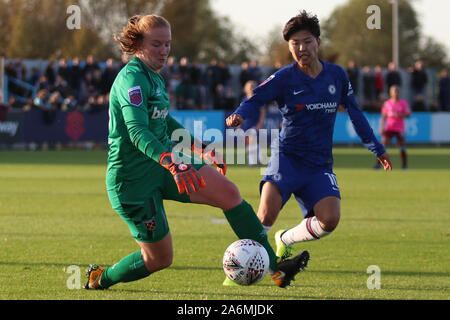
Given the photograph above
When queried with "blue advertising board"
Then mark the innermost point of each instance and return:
(204, 125)
(59, 126)
(418, 127)
(38, 126)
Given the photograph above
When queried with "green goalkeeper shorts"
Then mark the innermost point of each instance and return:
(140, 203)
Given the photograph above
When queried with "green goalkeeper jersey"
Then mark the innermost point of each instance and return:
(139, 124)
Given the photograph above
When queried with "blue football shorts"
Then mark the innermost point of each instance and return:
(308, 185)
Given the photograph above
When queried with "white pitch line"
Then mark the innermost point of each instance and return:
(212, 219)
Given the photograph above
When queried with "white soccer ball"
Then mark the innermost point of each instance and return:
(245, 262)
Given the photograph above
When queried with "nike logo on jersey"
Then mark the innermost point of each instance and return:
(297, 92)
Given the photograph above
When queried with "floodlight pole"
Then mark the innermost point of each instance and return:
(2, 80)
(395, 57)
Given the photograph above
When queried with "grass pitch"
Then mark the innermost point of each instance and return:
(55, 219)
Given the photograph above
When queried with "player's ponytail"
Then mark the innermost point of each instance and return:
(130, 39)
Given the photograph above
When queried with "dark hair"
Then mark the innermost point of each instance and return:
(302, 21)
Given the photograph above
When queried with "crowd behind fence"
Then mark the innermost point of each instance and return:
(84, 85)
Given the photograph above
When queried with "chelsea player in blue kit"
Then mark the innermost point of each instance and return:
(308, 93)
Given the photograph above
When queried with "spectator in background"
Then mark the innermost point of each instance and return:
(29, 105)
(76, 77)
(41, 100)
(62, 87)
(393, 77)
(186, 94)
(202, 97)
(353, 76)
(12, 72)
(88, 86)
(173, 67)
(276, 66)
(419, 80)
(108, 76)
(444, 91)
(14, 103)
(225, 98)
(90, 105)
(50, 72)
(70, 104)
(97, 103)
(43, 83)
(379, 84)
(47, 106)
(212, 79)
(251, 126)
(55, 100)
(34, 77)
(392, 124)
(91, 65)
(170, 74)
(21, 72)
(229, 99)
(196, 74)
(97, 81)
(244, 76)
(368, 81)
(255, 71)
(225, 75)
(197, 79)
(219, 101)
(63, 70)
(101, 103)
(184, 68)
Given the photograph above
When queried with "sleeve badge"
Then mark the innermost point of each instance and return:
(135, 96)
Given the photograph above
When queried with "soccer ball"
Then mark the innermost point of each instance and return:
(245, 262)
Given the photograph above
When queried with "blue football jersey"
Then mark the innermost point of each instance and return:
(308, 107)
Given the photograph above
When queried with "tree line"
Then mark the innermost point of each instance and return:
(346, 36)
(31, 29)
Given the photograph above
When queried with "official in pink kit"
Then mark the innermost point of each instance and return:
(393, 114)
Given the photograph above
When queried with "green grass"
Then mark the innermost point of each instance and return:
(54, 213)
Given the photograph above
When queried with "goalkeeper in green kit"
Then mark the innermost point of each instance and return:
(142, 171)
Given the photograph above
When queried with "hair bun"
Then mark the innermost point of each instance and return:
(135, 19)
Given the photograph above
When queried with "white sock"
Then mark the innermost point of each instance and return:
(253, 153)
(309, 229)
(267, 228)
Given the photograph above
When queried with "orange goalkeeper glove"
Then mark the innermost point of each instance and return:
(186, 176)
(210, 156)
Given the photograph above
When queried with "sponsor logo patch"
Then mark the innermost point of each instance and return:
(329, 107)
(159, 114)
(135, 96)
(267, 80)
(350, 89)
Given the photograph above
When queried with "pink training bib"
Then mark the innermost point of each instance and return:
(395, 113)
